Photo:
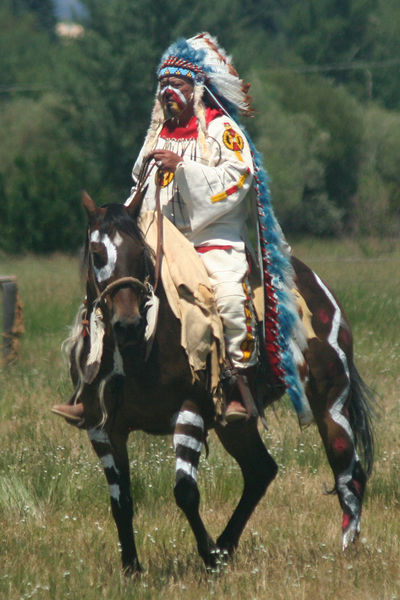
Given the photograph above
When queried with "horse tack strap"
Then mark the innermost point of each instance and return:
(159, 249)
(245, 392)
(123, 281)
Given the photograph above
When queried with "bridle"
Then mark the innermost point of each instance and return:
(132, 282)
(144, 287)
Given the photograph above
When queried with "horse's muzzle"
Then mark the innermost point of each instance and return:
(129, 331)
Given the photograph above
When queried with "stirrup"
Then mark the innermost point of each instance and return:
(235, 411)
(71, 412)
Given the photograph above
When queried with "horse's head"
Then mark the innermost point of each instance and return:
(119, 269)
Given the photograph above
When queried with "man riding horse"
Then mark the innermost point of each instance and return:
(203, 168)
(198, 168)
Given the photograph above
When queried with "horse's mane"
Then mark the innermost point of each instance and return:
(116, 218)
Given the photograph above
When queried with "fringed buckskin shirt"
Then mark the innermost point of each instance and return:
(204, 197)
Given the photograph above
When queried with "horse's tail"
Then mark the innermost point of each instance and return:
(362, 410)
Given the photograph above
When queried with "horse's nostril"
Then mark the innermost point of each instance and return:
(128, 330)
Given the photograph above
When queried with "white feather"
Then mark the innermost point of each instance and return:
(152, 306)
(97, 331)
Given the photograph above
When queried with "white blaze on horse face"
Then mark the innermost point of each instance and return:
(111, 245)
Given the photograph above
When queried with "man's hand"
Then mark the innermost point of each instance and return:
(165, 159)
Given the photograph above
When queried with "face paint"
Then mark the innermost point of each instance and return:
(111, 246)
(173, 100)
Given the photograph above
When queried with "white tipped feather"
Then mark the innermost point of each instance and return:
(220, 71)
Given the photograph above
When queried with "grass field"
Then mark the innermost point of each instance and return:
(57, 537)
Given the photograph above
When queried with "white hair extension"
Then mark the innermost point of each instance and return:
(199, 111)
(102, 386)
(156, 123)
(72, 346)
(75, 333)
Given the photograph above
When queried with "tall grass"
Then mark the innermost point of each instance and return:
(57, 537)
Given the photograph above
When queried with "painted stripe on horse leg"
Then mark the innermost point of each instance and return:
(347, 488)
(115, 491)
(337, 407)
(346, 484)
(186, 417)
(100, 436)
(108, 462)
(187, 443)
(186, 467)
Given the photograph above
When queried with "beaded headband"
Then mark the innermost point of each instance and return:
(179, 68)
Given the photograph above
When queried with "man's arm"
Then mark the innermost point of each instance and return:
(213, 190)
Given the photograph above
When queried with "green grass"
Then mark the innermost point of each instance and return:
(57, 536)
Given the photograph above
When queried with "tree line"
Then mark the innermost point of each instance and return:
(326, 91)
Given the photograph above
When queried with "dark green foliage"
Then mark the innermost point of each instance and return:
(338, 114)
(41, 179)
(42, 206)
(385, 78)
(26, 56)
(329, 31)
(41, 10)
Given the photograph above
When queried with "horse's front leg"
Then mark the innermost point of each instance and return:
(188, 439)
(113, 454)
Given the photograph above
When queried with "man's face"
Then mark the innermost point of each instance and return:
(176, 95)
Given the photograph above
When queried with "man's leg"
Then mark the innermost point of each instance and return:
(228, 270)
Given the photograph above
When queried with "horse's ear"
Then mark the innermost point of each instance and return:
(135, 204)
(89, 205)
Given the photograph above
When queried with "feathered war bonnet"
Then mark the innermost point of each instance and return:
(201, 60)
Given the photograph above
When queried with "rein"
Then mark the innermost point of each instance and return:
(122, 282)
(144, 174)
(159, 249)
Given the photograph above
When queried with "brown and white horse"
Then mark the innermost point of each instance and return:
(128, 382)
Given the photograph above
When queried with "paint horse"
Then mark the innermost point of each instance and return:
(132, 388)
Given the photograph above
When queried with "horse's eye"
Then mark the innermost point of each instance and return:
(99, 260)
(99, 255)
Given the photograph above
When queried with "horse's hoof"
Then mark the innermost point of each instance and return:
(217, 560)
(132, 571)
(351, 531)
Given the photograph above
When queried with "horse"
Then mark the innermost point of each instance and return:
(127, 383)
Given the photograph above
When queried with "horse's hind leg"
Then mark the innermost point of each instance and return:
(112, 452)
(188, 439)
(329, 395)
(242, 440)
